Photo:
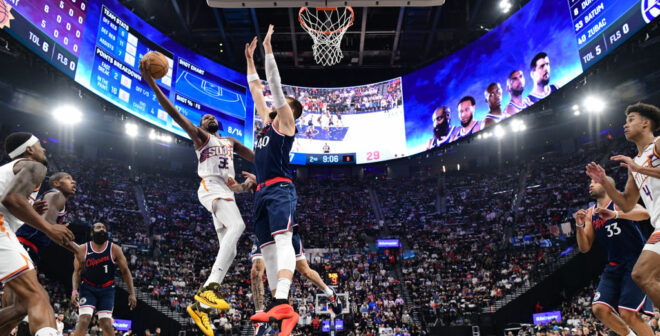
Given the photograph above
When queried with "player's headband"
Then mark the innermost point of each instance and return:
(22, 148)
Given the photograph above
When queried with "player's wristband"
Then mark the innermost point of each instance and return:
(74, 291)
(616, 214)
(253, 77)
(580, 226)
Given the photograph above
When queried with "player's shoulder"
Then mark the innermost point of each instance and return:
(30, 165)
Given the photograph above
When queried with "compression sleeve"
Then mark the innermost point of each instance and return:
(274, 81)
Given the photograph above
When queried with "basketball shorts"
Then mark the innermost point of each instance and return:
(653, 243)
(100, 299)
(14, 260)
(32, 249)
(617, 290)
(274, 211)
(297, 247)
(210, 189)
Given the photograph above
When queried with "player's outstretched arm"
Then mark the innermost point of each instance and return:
(256, 89)
(625, 200)
(76, 278)
(585, 233)
(286, 123)
(195, 133)
(28, 175)
(120, 259)
(638, 213)
(629, 163)
(241, 150)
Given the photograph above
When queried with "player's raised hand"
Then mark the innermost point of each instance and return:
(249, 49)
(146, 74)
(606, 214)
(596, 172)
(40, 207)
(233, 185)
(580, 216)
(268, 48)
(627, 162)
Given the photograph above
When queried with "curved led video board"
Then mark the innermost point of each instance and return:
(533, 53)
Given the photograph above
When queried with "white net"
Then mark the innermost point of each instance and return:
(326, 26)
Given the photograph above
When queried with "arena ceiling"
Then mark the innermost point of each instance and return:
(382, 40)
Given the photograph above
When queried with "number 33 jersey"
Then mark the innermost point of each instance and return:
(621, 238)
(215, 166)
(649, 187)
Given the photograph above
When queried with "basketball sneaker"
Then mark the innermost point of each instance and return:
(278, 311)
(261, 329)
(201, 318)
(209, 296)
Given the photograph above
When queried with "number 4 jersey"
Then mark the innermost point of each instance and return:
(649, 187)
(621, 238)
(215, 167)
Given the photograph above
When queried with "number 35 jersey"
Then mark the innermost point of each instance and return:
(649, 187)
(621, 238)
(215, 166)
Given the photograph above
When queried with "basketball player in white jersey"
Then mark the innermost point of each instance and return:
(643, 180)
(493, 96)
(216, 168)
(18, 179)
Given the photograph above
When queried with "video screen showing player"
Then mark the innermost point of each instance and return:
(350, 119)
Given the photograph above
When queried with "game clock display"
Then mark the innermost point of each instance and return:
(302, 159)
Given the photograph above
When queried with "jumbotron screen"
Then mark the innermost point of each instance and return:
(536, 51)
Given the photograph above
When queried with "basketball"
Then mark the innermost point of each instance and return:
(157, 64)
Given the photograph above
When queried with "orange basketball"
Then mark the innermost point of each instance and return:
(157, 64)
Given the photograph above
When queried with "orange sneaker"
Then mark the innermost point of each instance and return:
(288, 325)
(277, 313)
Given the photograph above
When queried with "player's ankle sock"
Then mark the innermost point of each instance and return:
(283, 286)
(47, 331)
(631, 333)
(328, 291)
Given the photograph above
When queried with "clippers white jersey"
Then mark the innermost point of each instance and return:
(649, 187)
(6, 176)
(216, 165)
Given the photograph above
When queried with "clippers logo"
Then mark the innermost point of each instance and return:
(214, 151)
(96, 261)
(597, 222)
(650, 10)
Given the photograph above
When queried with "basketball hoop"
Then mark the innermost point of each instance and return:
(326, 26)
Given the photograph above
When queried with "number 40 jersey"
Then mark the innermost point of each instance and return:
(649, 187)
(621, 238)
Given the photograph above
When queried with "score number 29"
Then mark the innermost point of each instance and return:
(373, 156)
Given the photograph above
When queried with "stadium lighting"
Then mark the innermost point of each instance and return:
(458, 166)
(131, 130)
(576, 112)
(594, 104)
(152, 135)
(499, 131)
(67, 115)
(518, 125)
(576, 107)
(505, 6)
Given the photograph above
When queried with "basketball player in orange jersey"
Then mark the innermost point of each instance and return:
(643, 181)
(18, 179)
(216, 168)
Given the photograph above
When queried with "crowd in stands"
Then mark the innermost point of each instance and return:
(463, 260)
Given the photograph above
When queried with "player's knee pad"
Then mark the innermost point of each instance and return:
(286, 255)
(104, 315)
(270, 260)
